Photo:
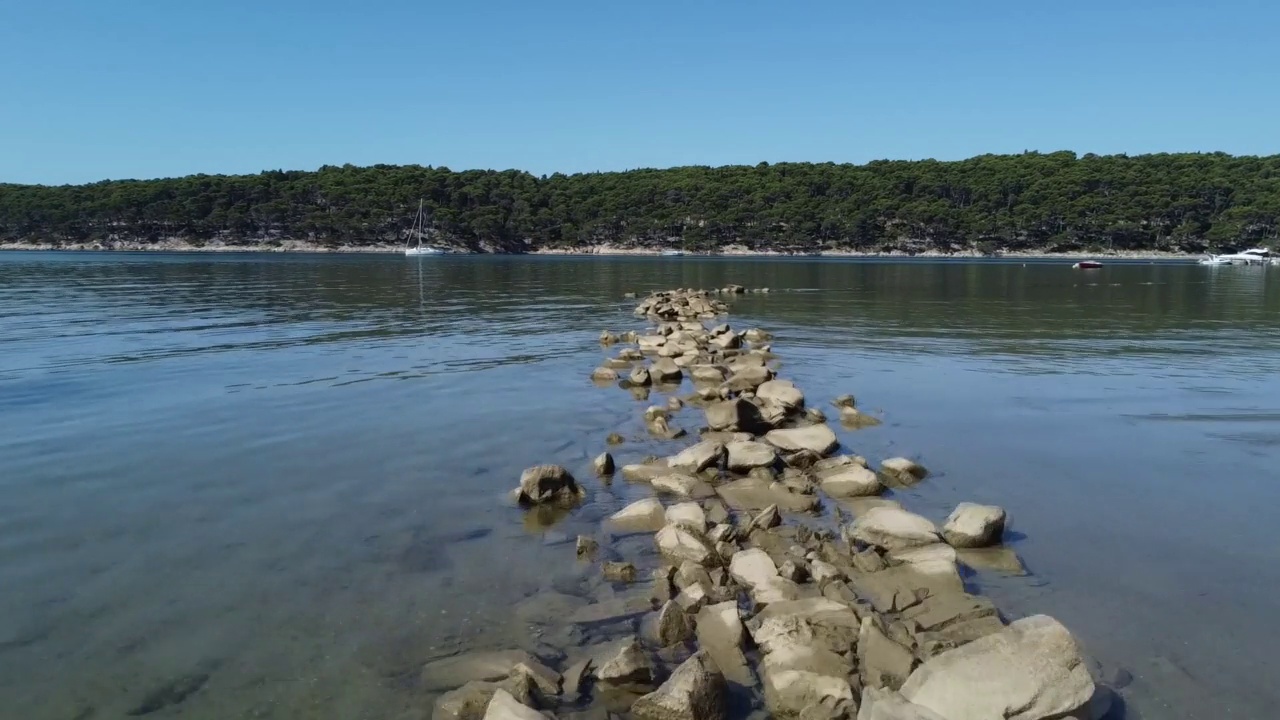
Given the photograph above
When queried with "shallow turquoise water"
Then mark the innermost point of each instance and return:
(285, 474)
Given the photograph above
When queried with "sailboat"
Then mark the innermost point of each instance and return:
(416, 232)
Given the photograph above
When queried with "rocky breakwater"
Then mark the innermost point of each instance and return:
(760, 594)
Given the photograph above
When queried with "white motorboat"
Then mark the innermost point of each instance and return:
(416, 232)
(1256, 256)
(672, 253)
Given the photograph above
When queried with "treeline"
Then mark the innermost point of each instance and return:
(1034, 201)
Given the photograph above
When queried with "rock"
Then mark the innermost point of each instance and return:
(505, 707)
(737, 414)
(640, 377)
(695, 691)
(1031, 670)
(882, 662)
(818, 438)
(682, 485)
(837, 464)
(452, 672)
(689, 514)
(660, 427)
(853, 419)
(672, 625)
(645, 515)
(630, 665)
(903, 470)
(768, 518)
(754, 493)
(603, 464)
(895, 588)
(548, 608)
(677, 544)
(878, 704)
(781, 392)
(699, 457)
(818, 622)
(815, 416)
(792, 571)
(470, 701)
(747, 377)
(752, 567)
(797, 676)
(651, 343)
(894, 529)
(971, 525)
(587, 546)
(547, 483)
(604, 374)
(743, 456)
(644, 472)
(623, 572)
(844, 401)
(674, 404)
(665, 370)
(994, 559)
(544, 678)
(720, 633)
(823, 571)
(851, 481)
(707, 373)
(574, 678)
(615, 439)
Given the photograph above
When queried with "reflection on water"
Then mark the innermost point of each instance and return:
(275, 484)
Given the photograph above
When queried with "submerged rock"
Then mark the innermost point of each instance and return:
(622, 572)
(547, 483)
(695, 691)
(972, 526)
(452, 672)
(1032, 670)
(604, 374)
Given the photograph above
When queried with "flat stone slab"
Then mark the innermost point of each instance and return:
(756, 494)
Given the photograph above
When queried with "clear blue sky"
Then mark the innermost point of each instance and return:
(91, 89)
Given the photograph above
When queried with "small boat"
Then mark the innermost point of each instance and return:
(418, 229)
(1087, 265)
(671, 253)
(1214, 261)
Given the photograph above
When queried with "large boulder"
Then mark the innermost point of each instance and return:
(695, 691)
(689, 514)
(817, 438)
(699, 457)
(1031, 670)
(797, 675)
(720, 633)
(665, 370)
(682, 485)
(851, 481)
(505, 707)
(747, 377)
(737, 414)
(878, 704)
(753, 567)
(971, 525)
(781, 392)
(626, 664)
(547, 484)
(677, 543)
(894, 529)
(471, 701)
(815, 622)
(754, 493)
(882, 662)
(645, 515)
(707, 373)
(743, 456)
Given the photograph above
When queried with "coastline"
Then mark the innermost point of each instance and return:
(591, 250)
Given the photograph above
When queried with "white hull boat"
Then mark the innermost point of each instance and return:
(1256, 256)
(419, 228)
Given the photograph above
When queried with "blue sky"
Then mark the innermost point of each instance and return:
(143, 88)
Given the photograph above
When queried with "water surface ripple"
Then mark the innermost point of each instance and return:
(278, 480)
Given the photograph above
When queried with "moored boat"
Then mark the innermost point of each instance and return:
(1087, 265)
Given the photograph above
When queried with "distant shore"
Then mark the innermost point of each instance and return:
(294, 246)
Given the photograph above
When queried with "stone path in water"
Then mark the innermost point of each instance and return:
(762, 603)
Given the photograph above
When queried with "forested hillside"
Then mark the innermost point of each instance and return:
(1050, 202)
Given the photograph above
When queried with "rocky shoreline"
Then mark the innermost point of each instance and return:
(301, 246)
(765, 596)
